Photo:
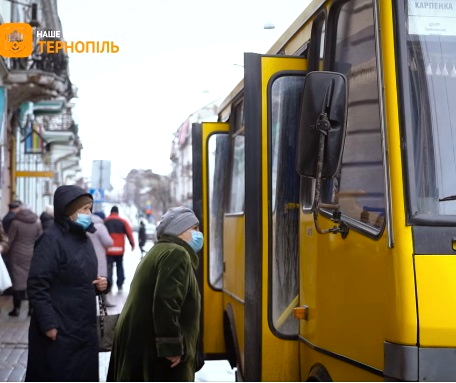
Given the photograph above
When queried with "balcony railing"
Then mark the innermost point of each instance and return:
(56, 63)
(41, 76)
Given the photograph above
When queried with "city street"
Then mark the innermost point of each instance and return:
(14, 334)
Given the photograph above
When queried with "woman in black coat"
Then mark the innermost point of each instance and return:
(62, 286)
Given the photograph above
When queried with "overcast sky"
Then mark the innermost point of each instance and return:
(174, 58)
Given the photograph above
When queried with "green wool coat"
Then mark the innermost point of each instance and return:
(160, 317)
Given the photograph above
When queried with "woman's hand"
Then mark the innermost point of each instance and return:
(101, 283)
(52, 333)
(175, 360)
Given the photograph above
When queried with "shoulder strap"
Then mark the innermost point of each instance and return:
(103, 312)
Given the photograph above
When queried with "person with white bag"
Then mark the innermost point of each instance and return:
(5, 279)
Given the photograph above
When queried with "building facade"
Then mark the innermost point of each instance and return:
(181, 179)
(39, 142)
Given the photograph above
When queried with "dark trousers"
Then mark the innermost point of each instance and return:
(18, 297)
(118, 260)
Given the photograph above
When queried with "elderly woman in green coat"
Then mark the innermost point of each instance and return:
(157, 332)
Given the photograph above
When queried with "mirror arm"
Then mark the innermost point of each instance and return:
(323, 125)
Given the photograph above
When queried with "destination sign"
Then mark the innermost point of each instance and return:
(432, 18)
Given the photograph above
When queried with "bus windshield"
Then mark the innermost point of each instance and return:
(431, 96)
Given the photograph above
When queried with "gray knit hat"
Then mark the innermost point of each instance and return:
(177, 220)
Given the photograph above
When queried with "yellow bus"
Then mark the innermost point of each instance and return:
(327, 196)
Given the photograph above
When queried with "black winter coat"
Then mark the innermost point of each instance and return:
(62, 296)
(46, 220)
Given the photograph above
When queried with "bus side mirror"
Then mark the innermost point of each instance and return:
(323, 113)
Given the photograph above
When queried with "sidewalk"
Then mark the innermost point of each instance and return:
(13, 341)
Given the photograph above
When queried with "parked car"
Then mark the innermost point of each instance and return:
(151, 232)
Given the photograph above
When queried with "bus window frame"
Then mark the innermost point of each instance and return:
(329, 61)
(320, 21)
(307, 188)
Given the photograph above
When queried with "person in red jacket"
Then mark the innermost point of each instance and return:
(118, 228)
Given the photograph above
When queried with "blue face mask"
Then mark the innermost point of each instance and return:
(197, 240)
(84, 220)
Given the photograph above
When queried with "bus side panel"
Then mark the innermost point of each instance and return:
(343, 284)
(213, 318)
(436, 287)
(401, 324)
(339, 371)
(239, 325)
(233, 277)
(280, 358)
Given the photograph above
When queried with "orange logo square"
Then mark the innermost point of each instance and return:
(16, 40)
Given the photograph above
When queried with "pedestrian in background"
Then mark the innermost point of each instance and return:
(13, 209)
(47, 217)
(142, 237)
(101, 240)
(24, 229)
(157, 331)
(62, 285)
(4, 241)
(118, 228)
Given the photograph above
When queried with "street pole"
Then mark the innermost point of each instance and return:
(98, 206)
(100, 185)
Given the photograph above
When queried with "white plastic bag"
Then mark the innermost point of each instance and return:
(5, 279)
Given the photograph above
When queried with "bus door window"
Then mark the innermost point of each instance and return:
(285, 94)
(237, 189)
(361, 183)
(218, 152)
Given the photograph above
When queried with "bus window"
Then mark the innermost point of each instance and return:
(286, 94)
(237, 190)
(361, 184)
(218, 145)
(431, 55)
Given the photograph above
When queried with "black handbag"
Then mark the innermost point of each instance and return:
(106, 325)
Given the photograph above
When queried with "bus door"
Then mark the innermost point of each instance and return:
(273, 87)
(210, 149)
(343, 243)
